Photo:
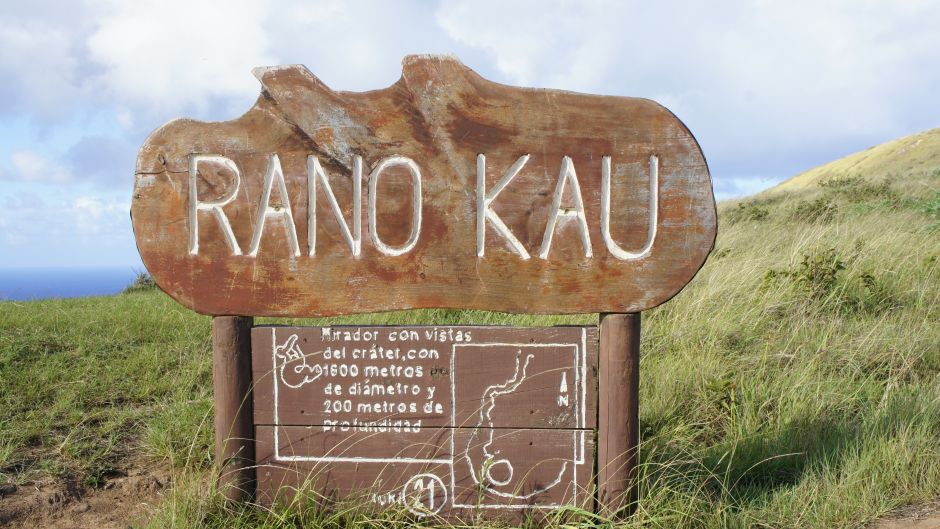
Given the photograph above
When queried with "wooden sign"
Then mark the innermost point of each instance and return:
(437, 420)
(442, 190)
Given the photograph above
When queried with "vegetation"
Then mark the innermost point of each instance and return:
(142, 283)
(794, 383)
(747, 211)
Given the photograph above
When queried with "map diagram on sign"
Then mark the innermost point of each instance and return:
(497, 472)
(535, 378)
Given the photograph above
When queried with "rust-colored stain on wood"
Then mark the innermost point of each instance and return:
(441, 420)
(442, 190)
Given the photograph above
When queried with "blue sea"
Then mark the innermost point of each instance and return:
(23, 284)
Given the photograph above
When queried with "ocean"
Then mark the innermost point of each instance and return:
(24, 284)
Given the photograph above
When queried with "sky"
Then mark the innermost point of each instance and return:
(768, 88)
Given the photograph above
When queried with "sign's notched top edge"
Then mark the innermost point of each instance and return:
(415, 62)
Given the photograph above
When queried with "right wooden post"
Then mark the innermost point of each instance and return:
(618, 434)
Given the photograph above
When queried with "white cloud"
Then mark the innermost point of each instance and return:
(38, 68)
(105, 161)
(30, 166)
(198, 61)
(23, 200)
(93, 216)
(176, 54)
(101, 161)
(59, 218)
(354, 45)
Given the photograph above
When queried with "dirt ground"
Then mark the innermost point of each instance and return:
(123, 501)
(913, 517)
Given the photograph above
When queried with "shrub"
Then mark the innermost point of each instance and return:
(931, 207)
(720, 253)
(821, 279)
(819, 273)
(819, 210)
(748, 211)
(858, 189)
(142, 283)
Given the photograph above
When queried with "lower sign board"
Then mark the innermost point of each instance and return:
(437, 420)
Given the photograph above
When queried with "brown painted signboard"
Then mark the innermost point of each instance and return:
(437, 419)
(442, 190)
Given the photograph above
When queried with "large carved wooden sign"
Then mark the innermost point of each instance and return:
(442, 190)
(438, 420)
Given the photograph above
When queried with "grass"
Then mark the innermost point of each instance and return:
(794, 383)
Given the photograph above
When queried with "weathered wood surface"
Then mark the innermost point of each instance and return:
(618, 433)
(539, 244)
(231, 383)
(503, 417)
(535, 470)
(425, 376)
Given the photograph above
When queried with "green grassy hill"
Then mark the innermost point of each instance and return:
(794, 383)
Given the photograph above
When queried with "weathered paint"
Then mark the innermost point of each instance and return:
(548, 239)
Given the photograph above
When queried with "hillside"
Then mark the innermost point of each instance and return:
(914, 154)
(794, 383)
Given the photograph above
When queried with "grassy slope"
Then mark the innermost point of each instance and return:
(794, 383)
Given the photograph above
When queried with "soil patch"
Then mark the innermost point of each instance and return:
(124, 500)
(912, 517)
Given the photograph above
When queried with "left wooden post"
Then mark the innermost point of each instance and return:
(231, 382)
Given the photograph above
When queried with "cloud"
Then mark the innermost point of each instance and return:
(59, 218)
(354, 45)
(23, 201)
(103, 160)
(93, 216)
(30, 166)
(194, 52)
(539, 43)
(98, 160)
(41, 66)
(199, 62)
(42, 61)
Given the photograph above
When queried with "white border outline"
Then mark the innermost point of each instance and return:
(580, 361)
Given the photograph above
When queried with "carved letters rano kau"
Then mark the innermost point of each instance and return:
(442, 190)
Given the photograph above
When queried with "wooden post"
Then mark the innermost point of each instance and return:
(231, 382)
(618, 434)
